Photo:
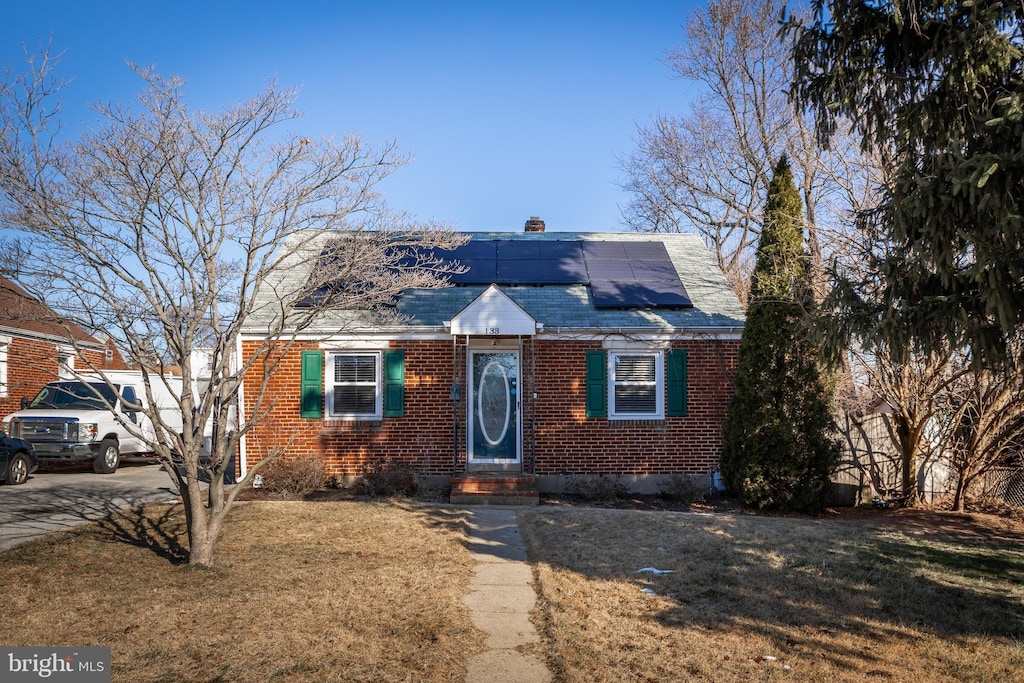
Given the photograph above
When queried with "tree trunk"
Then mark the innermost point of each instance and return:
(909, 436)
(200, 539)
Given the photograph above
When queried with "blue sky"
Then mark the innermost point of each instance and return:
(510, 109)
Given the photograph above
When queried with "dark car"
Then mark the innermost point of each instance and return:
(17, 460)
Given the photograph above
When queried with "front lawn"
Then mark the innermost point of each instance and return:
(768, 598)
(364, 591)
(302, 592)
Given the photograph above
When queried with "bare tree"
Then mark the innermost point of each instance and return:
(163, 226)
(983, 419)
(910, 395)
(707, 171)
(901, 389)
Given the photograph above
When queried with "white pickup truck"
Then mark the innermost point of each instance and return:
(69, 421)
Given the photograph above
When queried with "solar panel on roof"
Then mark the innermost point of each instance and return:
(667, 294)
(618, 294)
(609, 270)
(604, 250)
(563, 250)
(478, 271)
(646, 251)
(646, 271)
(520, 272)
(621, 274)
(519, 249)
(564, 271)
(474, 249)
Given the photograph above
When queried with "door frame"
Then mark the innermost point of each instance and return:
(492, 464)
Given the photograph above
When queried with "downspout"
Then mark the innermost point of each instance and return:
(455, 406)
(533, 403)
(243, 464)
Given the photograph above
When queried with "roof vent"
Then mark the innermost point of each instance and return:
(535, 224)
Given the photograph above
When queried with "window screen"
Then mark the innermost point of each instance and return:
(634, 379)
(355, 384)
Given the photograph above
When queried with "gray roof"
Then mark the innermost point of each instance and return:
(568, 306)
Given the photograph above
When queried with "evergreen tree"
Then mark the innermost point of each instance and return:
(935, 87)
(778, 443)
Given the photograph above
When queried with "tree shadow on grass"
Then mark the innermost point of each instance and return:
(818, 588)
(156, 528)
(448, 518)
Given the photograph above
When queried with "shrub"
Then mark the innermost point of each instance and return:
(778, 441)
(294, 476)
(603, 487)
(384, 478)
(683, 489)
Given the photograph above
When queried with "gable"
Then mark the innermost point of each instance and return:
(493, 313)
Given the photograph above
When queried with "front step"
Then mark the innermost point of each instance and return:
(495, 489)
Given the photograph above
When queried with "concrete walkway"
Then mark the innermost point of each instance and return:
(500, 600)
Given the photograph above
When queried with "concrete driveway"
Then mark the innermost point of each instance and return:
(53, 500)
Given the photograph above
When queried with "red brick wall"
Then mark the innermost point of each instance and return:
(570, 442)
(562, 437)
(32, 363)
(422, 437)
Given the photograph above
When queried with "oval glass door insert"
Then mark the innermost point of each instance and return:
(494, 404)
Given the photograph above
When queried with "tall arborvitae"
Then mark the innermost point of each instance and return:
(779, 446)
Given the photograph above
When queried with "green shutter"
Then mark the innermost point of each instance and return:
(394, 383)
(675, 379)
(597, 384)
(312, 401)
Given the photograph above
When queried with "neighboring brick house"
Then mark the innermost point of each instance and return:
(555, 354)
(37, 347)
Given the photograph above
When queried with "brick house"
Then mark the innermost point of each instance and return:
(37, 347)
(556, 354)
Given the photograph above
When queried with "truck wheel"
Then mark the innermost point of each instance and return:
(108, 459)
(17, 473)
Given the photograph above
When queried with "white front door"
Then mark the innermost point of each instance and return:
(494, 409)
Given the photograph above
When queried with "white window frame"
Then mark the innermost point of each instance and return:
(65, 362)
(5, 348)
(659, 384)
(330, 384)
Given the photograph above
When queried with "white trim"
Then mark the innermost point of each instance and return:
(242, 452)
(85, 344)
(66, 370)
(681, 334)
(357, 343)
(5, 350)
(659, 383)
(548, 333)
(330, 383)
(633, 344)
(492, 344)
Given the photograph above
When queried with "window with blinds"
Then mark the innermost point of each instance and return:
(635, 385)
(355, 385)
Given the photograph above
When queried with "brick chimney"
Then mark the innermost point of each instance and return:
(535, 224)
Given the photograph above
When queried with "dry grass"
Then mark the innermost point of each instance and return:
(302, 592)
(828, 600)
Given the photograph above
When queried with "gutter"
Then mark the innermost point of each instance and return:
(50, 338)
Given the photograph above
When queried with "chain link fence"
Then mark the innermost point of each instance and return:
(1005, 484)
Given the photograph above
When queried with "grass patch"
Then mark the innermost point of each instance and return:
(302, 592)
(759, 598)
